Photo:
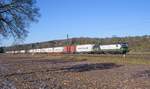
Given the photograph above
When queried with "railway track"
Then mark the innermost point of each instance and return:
(142, 56)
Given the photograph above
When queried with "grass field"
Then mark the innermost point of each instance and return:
(128, 59)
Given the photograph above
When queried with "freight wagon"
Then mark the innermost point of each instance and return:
(87, 48)
(69, 49)
(58, 50)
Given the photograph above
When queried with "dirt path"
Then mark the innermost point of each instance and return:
(39, 73)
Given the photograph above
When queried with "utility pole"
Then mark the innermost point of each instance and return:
(67, 43)
(67, 40)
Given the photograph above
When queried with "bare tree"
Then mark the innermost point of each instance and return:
(15, 17)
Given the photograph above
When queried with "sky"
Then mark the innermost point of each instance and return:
(90, 18)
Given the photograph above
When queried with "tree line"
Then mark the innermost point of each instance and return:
(136, 43)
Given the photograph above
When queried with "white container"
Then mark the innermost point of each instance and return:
(7, 52)
(22, 51)
(31, 51)
(43, 50)
(50, 50)
(46, 50)
(10, 52)
(39, 50)
(16, 51)
(84, 48)
(36, 50)
(58, 49)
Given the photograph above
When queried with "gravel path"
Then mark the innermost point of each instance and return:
(59, 74)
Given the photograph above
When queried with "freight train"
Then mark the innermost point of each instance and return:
(120, 48)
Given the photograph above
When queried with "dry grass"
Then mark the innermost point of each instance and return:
(114, 59)
(129, 59)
